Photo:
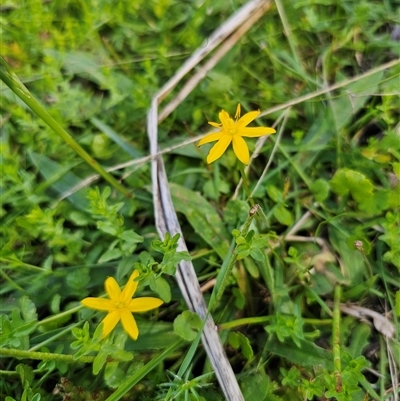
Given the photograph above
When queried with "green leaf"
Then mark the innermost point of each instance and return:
(359, 339)
(111, 254)
(187, 325)
(307, 354)
(202, 216)
(349, 181)
(283, 215)
(161, 286)
(25, 372)
(355, 96)
(131, 236)
(360, 290)
(274, 193)
(320, 189)
(28, 309)
(240, 341)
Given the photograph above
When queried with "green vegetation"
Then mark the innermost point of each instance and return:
(305, 291)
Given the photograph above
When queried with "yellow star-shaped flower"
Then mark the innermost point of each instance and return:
(121, 305)
(234, 131)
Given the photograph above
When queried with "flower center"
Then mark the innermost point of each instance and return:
(232, 131)
(120, 305)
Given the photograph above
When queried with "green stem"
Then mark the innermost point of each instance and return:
(222, 279)
(8, 76)
(262, 319)
(54, 337)
(245, 184)
(44, 356)
(17, 264)
(60, 315)
(336, 338)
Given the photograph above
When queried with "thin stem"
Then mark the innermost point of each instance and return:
(44, 356)
(8, 76)
(222, 279)
(262, 319)
(336, 338)
(245, 184)
(60, 315)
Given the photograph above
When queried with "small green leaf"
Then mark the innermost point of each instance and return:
(239, 341)
(111, 254)
(28, 309)
(161, 286)
(320, 189)
(187, 325)
(283, 215)
(274, 193)
(131, 236)
(349, 181)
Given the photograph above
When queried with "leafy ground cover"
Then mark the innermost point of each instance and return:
(305, 292)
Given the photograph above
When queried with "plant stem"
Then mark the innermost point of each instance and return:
(245, 184)
(8, 76)
(222, 279)
(44, 356)
(336, 338)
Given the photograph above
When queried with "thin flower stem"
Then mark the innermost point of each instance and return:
(222, 279)
(44, 356)
(8, 76)
(336, 338)
(245, 184)
(52, 338)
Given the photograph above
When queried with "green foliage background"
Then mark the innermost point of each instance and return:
(94, 66)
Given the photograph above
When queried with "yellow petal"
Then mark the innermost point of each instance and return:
(216, 125)
(241, 150)
(129, 323)
(110, 321)
(226, 121)
(219, 148)
(237, 115)
(210, 138)
(130, 287)
(247, 118)
(98, 303)
(144, 304)
(112, 288)
(256, 132)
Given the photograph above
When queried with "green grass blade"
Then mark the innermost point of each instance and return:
(12, 81)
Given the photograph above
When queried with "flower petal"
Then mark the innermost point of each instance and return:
(144, 304)
(129, 323)
(256, 132)
(110, 321)
(241, 150)
(226, 121)
(210, 138)
(216, 125)
(130, 288)
(112, 288)
(219, 148)
(247, 118)
(98, 303)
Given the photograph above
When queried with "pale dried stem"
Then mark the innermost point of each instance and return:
(210, 64)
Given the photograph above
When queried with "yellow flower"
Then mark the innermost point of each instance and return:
(234, 131)
(121, 305)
